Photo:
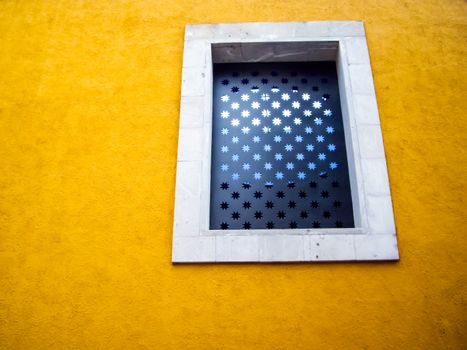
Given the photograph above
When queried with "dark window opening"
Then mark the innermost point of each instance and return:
(278, 151)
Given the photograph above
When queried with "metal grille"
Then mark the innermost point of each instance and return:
(278, 148)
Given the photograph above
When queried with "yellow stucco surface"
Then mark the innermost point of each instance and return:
(89, 102)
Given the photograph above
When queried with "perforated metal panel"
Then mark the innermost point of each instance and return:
(278, 148)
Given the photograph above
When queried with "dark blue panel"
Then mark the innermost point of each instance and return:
(278, 148)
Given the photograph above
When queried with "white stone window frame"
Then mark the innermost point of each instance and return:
(374, 235)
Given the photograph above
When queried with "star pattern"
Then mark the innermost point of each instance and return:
(285, 134)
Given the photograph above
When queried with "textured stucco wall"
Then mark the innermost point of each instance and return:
(89, 100)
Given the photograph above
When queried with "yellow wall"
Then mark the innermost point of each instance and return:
(89, 102)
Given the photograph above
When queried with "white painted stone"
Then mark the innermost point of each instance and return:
(208, 93)
(332, 247)
(205, 196)
(194, 53)
(366, 109)
(357, 50)
(188, 179)
(346, 28)
(329, 29)
(370, 141)
(190, 144)
(199, 31)
(193, 249)
(253, 31)
(237, 248)
(380, 214)
(229, 31)
(361, 79)
(191, 111)
(193, 81)
(375, 176)
(281, 248)
(274, 30)
(376, 247)
(306, 240)
(268, 30)
(187, 193)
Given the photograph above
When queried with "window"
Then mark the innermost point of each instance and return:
(278, 155)
(280, 149)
